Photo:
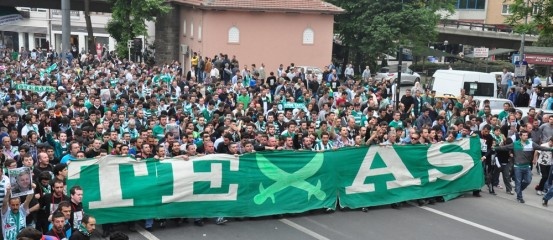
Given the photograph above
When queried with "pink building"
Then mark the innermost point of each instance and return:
(257, 31)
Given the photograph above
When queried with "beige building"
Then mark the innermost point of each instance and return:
(498, 11)
(269, 32)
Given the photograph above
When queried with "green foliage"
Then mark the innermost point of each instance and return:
(534, 16)
(478, 66)
(129, 20)
(374, 27)
(544, 40)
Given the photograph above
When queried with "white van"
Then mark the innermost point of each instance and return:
(475, 83)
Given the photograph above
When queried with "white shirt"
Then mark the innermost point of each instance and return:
(29, 127)
(533, 99)
(544, 157)
(506, 76)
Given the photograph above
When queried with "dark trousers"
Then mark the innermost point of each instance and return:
(42, 222)
(544, 170)
(505, 171)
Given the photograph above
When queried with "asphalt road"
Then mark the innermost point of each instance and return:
(467, 217)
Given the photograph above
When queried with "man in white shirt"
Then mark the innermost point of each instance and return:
(366, 74)
(4, 184)
(349, 72)
(505, 77)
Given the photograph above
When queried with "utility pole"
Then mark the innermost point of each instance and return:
(523, 40)
(65, 26)
(398, 83)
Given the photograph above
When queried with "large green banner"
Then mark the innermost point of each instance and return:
(118, 189)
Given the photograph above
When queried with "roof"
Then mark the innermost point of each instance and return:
(538, 50)
(303, 6)
(431, 52)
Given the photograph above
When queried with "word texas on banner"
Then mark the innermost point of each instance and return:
(118, 189)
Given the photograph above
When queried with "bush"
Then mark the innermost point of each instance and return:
(477, 66)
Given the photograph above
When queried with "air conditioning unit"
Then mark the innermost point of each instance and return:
(184, 49)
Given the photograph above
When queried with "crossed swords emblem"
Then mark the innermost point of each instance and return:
(284, 179)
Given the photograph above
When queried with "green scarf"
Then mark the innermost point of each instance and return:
(46, 190)
(83, 230)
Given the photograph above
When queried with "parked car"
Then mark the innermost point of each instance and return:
(312, 70)
(446, 98)
(496, 104)
(525, 110)
(408, 77)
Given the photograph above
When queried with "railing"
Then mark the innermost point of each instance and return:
(73, 13)
(25, 14)
(476, 26)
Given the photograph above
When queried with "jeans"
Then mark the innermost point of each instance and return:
(548, 195)
(523, 178)
(549, 180)
(149, 223)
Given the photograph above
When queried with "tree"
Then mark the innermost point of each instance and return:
(533, 16)
(128, 20)
(376, 27)
(89, 26)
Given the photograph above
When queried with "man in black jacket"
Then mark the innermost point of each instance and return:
(523, 99)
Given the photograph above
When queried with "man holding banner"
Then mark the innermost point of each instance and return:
(14, 214)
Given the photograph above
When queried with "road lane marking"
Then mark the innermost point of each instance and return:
(470, 223)
(303, 229)
(324, 226)
(148, 235)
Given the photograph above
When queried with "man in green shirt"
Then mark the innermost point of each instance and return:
(396, 123)
(429, 97)
(357, 113)
(15, 55)
(244, 97)
(503, 114)
(159, 130)
(208, 111)
(291, 131)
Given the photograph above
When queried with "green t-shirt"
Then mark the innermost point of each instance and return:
(245, 99)
(358, 116)
(15, 56)
(396, 125)
(159, 131)
(502, 115)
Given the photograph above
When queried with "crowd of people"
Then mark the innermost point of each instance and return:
(112, 106)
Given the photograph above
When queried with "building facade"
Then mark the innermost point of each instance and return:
(499, 10)
(469, 11)
(41, 28)
(268, 32)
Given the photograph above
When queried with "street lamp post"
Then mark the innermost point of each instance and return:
(398, 81)
(65, 26)
(445, 49)
(523, 37)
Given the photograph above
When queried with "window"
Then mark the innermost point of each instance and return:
(234, 35)
(471, 4)
(536, 8)
(479, 89)
(308, 36)
(184, 27)
(506, 10)
(191, 30)
(199, 33)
